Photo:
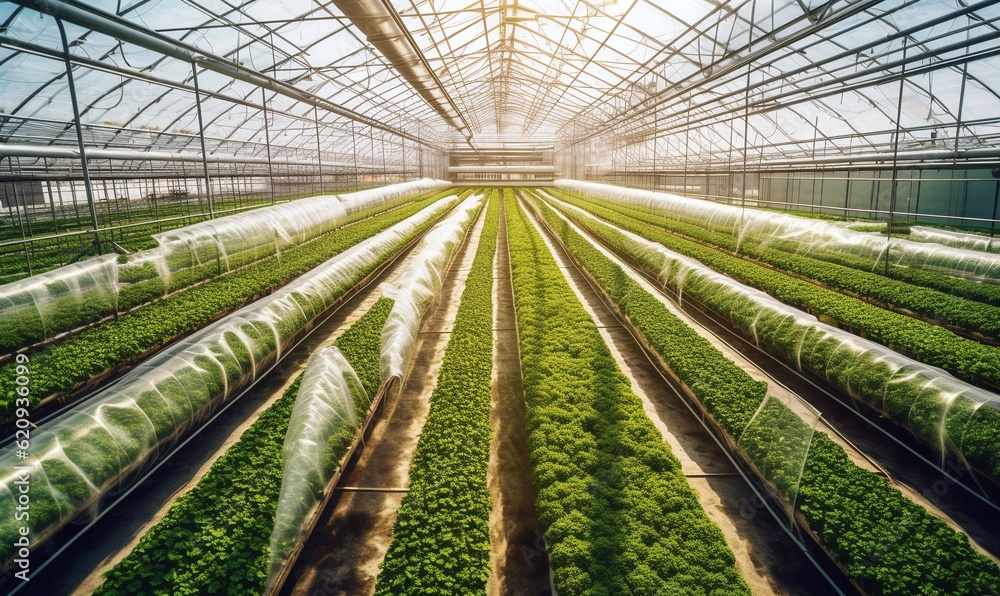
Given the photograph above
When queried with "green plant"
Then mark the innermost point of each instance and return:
(441, 537)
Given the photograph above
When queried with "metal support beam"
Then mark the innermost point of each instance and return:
(895, 157)
(79, 13)
(88, 186)
(201, 138)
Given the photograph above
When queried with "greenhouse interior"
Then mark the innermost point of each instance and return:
(525, 297)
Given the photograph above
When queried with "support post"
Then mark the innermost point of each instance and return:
(201, 137)
(895, 158)
(85, 169)
(319, 151)
(267, 141)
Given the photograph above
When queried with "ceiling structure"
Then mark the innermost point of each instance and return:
(725, 81)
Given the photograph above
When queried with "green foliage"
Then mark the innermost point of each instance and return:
(966, 304)
(215, 538)
(441, 538)
(60, 367)
(618, 514)
(929, 411)
(889, 544)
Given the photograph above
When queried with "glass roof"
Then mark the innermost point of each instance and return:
(717, 79)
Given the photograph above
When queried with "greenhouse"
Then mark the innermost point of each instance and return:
(522, 297)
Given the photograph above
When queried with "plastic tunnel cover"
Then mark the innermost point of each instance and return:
(42, 306)
(93, 447)
(777, 440)
(956, 239)
(947, 413)
(416, 286)
(330, 403)
(819, 239)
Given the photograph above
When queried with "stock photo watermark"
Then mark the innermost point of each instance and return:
(21, 486)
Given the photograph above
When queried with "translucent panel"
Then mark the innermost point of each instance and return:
(330, 403)
(47, 304)
(954, 417)
(824, 240)
(777, 440)
(955, 239)
(89, 450)
(417, 285)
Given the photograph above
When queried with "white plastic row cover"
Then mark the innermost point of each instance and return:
(956, 239)
(90, 449)
(42, 306)
(954, 416)
(817, 238)
(416, 286)
(328, 409)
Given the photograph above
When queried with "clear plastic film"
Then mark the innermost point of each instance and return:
(42, 306)
(959, 419)
(208, 248)
(89, 450)
(954, 239)
(330, 404)
(416, 285)
(366, 199)
(777, 439)
(824, 240)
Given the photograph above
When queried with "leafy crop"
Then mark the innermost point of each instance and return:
(441, 538)
(931, 410)
(888, 544)
(966, 304)
(618, 514)
(923, 341)
(62, 366)
(215, 537)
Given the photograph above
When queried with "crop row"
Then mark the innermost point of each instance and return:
(60, 367)
(850, 244)
(618, 514)
(853, 274)
(920, 340)
(49, 253)
(441, 537)
(887, 543)
(949, 415)
(72, 296)
(215, 538)
(99, 444)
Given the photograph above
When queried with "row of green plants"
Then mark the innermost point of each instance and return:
(49, 253)
(958, 287)
(90, 450)
(62, 366)
(215, 538)
(965, 304)
(917, 339)
(952, 417)
(441, 537)
(887, 543)
(616, 509)
(78, 294)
